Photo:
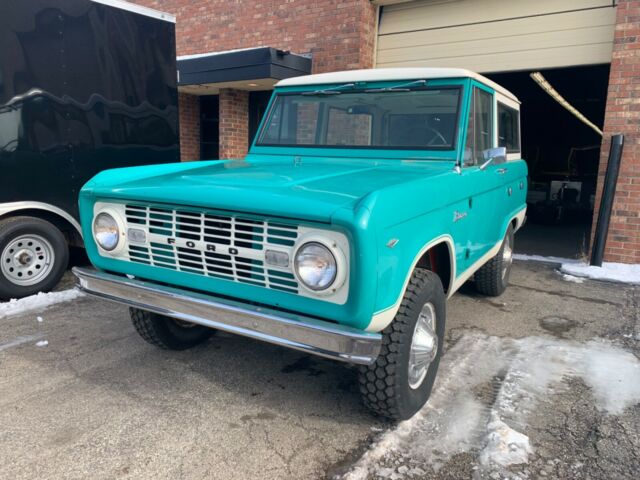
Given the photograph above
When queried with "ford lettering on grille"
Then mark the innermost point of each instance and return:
(207, 243)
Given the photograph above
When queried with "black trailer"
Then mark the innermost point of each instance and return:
(84, 86)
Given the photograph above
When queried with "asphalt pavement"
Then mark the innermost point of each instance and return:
(98, 402)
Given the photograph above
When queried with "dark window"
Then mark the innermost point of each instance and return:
(344, 128)
(401, 119)
(258, 102)
(479, 129)
(508, 128)
(209, 127)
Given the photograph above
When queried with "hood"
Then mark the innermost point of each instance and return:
(293, 187)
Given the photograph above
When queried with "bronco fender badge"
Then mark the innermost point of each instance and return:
(392, 243)
(458, 216)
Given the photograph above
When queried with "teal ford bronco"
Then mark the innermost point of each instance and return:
(367, 198)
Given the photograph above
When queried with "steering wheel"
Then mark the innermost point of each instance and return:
(436, 137)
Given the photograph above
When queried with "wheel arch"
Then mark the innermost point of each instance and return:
(439, 259)
(62, 220)
(439, 250)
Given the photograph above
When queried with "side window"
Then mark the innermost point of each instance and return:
(479, 129)
(508, 128)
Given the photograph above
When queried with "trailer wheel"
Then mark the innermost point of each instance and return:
(168, 333)
(33, 256)
(399, 383)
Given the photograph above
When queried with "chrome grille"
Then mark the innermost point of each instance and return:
(208, 243)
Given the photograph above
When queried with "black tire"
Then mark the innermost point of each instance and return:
(167, 333)
(11, 230)
(493, 277)
(385, 385)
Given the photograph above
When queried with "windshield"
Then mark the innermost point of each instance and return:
(423, 118)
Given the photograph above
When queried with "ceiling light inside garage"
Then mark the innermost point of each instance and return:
(547, 87)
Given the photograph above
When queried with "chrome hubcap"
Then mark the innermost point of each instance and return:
(507, 256)
(27, 260)
(424, 345)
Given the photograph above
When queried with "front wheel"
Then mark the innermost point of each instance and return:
(33, 256)
(399, 383)
(166, 332)
(493, 277)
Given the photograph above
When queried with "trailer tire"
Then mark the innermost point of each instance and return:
(390, 387)
(492, 278)
(167, 333)
(33, 256)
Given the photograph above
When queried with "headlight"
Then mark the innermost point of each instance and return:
(106, 231)
(315, 266)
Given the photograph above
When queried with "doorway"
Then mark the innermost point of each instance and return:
(562, 154)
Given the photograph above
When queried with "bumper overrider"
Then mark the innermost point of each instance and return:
(298, 332)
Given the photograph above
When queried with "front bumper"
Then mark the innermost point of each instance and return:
(280, 328)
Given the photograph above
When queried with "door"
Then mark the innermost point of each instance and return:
(476, 218)
(496, 35)
(209, 127)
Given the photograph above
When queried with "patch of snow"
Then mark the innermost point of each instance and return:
(42, 343)
(18, 341)
(541, 258)
(571, 278)
(522, 373)
(613, 375)
(617, 272)
(505, 446)
(40, 319)
(39, 301)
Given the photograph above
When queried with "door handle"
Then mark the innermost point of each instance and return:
(501, 171)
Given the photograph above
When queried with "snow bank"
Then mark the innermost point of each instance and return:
(618, 272)
(37, 302)
(571, 278)
(576, 269)
(541, 258)
(18, 341)
(521, 373)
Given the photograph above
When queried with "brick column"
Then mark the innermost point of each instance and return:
(623, 116)
(189, 112)
(234, 123)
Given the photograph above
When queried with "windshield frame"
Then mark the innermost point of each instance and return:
(439, 84)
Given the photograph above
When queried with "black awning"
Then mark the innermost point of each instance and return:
(238, 65)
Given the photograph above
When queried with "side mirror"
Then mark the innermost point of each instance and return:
(493, 155)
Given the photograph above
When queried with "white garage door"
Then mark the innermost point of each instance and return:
(496, 35)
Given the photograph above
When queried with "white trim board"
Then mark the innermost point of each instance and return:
(132, 7)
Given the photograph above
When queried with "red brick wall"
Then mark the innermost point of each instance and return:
(189, 114)
(340, 34)
(623, 116)
(234, 123)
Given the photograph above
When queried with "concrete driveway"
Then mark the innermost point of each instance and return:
(98, 402)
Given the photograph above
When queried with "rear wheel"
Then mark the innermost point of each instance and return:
(399, 383)
(493, 277)
(33, 256)
(166, 332)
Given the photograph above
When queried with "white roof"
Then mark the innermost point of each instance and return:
(384, 74)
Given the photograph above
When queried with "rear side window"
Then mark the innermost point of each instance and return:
(508, 128)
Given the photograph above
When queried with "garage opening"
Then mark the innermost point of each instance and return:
(562, 153)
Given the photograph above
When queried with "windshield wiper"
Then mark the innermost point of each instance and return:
(330, 91)
(403, 87)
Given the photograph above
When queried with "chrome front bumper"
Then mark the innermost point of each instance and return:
(287, 329)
